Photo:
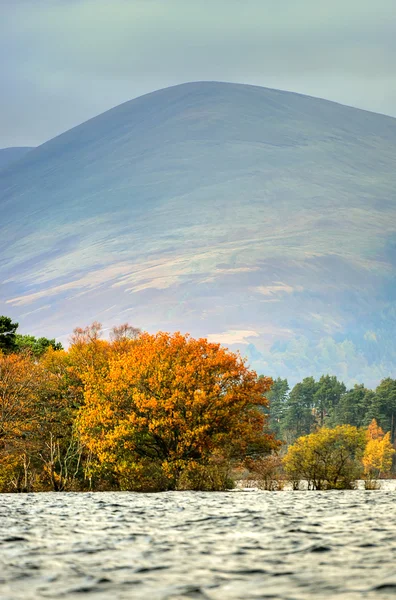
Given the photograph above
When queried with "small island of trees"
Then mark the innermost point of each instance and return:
(161, 412)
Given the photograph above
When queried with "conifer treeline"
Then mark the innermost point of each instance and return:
(311, 404)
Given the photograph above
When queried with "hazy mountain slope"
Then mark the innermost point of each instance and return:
(265, 216)
(10, 155)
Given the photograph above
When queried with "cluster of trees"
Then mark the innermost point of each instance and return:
(334, 458)
(311, 404)
(328, 458)
(157, 412)
(139, 412)
(13, 342)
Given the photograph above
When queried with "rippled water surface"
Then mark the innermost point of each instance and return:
(217, 546)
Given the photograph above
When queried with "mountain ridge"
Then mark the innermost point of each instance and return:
(10, 155)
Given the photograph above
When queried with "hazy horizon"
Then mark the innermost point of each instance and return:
(67, 62)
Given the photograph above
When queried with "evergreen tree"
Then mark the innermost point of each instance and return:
(327, 396)
(383, 407)
(299, 411)
(354, 407)
(7, 334)
(277, 397)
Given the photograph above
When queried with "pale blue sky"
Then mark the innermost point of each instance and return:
(68, 60)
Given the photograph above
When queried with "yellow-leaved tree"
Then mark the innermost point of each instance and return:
(378, 454)
(328, 458)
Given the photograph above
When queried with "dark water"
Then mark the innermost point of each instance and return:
(290, 545)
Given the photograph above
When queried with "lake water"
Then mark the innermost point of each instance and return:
(216, 546)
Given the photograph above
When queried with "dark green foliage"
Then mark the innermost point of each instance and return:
(327, 396)
(313, 404)
(299, 415)
(383, 406)
(11, 341)
(355, 407)
(37, 346)
(7, 334)
(277, 398)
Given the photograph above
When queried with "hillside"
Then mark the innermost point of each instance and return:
(10, 155)
(258, 217)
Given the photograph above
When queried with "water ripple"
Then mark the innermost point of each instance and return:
(198, 546)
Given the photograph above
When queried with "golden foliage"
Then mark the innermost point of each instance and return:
(328, 458)
(378, 453)
(374, 431)
(172, 400)
(140, 411)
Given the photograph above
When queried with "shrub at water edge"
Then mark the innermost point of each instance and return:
(328, 458)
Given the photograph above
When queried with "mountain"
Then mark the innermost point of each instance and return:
(263, 219)
(10, 155)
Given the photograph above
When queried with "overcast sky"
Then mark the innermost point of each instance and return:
(64, 61)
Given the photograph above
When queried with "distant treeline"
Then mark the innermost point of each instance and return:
(312, 404)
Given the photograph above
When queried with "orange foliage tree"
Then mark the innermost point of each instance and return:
(20, 382)
(171, 403)
(374, 431)
(38, 449)
(378, 454)
(59, 451)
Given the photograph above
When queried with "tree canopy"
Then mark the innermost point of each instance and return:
(173, 400)
(328, 458)
(138, 411)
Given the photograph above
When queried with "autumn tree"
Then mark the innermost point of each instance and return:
(374, 431)
(123, 332)
(266, 472)
(88, 351)
(58, 449)
(328, 458)
(38, 448)
(378, 453)
(20, 382)
(170, 404)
